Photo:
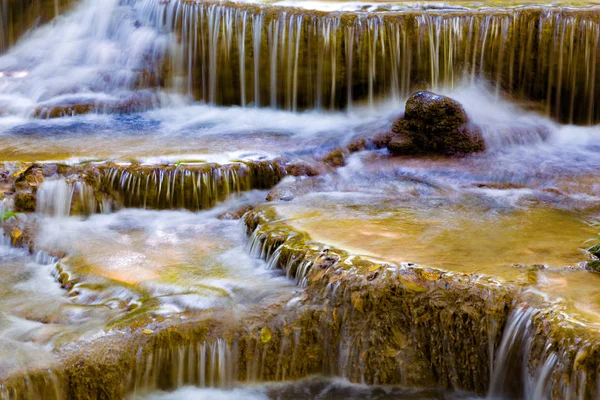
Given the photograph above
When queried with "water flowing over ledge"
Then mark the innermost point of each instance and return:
(62, 190)
(190, 187)
(18, 16)
(279, 56)
(366, 321)
(289, 58)
(540, 352)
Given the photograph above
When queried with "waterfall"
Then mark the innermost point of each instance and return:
(18, 16)
(510, 370)
(270, 248)
(103, 57)
(190, 187)
(97, 58)
(533, 366)
(59, 198)
(203, 364)
(300, 59)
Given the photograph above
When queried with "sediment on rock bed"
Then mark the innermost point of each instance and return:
(371, 322)
(384, 324)
(438, 314)
(296, 59)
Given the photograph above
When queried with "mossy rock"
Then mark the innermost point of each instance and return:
(595, 250)
(434, 123)
(335, 158)
(25, 202)
(593, 265)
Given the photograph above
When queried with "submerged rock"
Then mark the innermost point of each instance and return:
(138, 101)
(236, 213)
(301, 169)
(434, 123)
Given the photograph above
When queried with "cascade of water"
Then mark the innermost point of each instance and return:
(297, 59)
(533, 366)
(59, 198)
(16, 17)
(272, 249)
(203, 364)
(190, 187)
(91, 59)
(510, 371)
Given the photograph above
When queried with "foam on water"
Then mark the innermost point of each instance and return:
(311, 388)
(93, 54)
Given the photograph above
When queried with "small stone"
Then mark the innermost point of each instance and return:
(147, 331)
(50, 169)
(381, 141)
(235, 214)
(301, 169)
(357, 145)
(335, 158)
(15, 233)
(280, 195)
(402, 146)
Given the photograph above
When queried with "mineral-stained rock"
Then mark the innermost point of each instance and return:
(236, 213)
(301, 169)
(139, 101)
(435, 124)
(335, 158)
(24, 201)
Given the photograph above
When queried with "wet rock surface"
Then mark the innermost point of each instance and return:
(371, 321)
(436, 124)
(140, 101)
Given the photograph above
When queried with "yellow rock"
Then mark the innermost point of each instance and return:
(357, 301)
(430, 275)
(265, 335)
(412, 286)
(21, 171)
(148, 331)
(15, 233)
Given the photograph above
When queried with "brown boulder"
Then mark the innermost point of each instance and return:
(434, 124)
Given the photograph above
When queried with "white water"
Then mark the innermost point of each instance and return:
(311, 388)
(93, 54)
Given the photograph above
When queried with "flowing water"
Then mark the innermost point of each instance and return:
(121, 267)
(152, 123)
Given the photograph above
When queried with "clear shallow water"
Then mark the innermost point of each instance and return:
(197, 132)
(157, 266)
(453, 216)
